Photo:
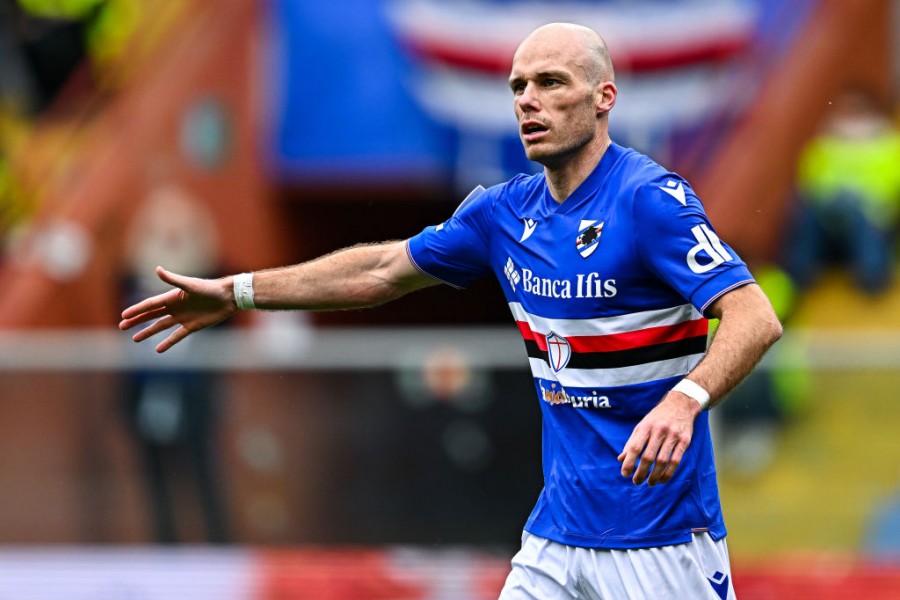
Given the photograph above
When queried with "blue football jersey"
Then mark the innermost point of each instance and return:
(608, 290)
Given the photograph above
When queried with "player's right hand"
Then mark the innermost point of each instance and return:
(659, 441)
(192, 305)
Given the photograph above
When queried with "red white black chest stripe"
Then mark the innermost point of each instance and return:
(615, 351)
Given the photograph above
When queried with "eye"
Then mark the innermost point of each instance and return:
(550, 82)
(517, 87)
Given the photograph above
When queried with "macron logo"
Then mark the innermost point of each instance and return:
(530, 226)
(675, 192)
(719, 583)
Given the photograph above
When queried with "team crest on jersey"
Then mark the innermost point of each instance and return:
(588, 237)
(558, 351)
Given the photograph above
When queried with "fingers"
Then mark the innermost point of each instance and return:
(633, 449)
(156, 327)
(153, 303)
(171, 278)
(186, 305)
(164, 323)
(663, 461)
(677, 455)
(176, 336)
(125, 324)
(653, 452)
(150, 304)
(651, 455)
(648, 458)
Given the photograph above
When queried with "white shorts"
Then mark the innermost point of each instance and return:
(545, 570)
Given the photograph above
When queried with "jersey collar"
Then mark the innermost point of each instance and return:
(591, 186)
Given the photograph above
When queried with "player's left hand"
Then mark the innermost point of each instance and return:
(660, 440)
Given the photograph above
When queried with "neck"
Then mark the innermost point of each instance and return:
(563, 179)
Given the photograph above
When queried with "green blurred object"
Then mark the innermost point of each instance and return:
(779, 288)
(60, 9)
(790, 374)
(109, 33)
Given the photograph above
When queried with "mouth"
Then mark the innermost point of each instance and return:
(533, 130)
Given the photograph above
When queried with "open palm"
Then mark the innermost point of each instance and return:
(192, 305)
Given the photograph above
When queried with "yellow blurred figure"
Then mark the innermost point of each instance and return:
(849, 196)
(863, 162)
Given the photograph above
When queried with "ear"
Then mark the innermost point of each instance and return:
(605, 97)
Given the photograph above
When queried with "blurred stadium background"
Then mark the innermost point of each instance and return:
(390, 453)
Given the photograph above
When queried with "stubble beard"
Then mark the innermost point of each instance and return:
(556, 157)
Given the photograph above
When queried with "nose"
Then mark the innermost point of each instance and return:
(528, 101)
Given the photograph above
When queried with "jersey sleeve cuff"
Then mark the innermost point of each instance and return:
(412, 260)
(720, 285)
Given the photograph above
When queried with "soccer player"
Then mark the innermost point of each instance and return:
(610, 268)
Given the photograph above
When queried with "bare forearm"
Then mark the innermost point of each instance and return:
(658, 443)
(747, 329)
(352, 278)
(357, 277)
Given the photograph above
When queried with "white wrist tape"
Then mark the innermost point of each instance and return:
(243, 291)
(693, 390)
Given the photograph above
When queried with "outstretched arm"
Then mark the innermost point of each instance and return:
(352, 278)
(748, 327)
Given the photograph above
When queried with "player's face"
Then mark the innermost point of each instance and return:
(555, 101)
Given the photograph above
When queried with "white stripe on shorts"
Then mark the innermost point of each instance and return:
(546, 570)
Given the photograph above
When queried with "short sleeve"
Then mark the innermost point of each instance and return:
(457, 251)
(679, 245)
